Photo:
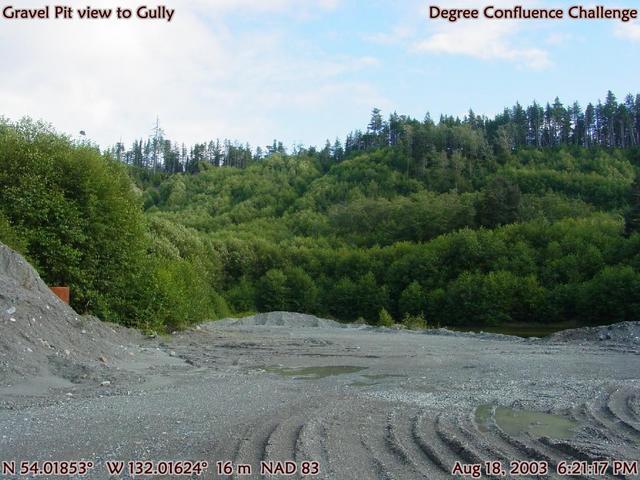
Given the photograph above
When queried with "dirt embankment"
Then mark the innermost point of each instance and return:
(44, 340)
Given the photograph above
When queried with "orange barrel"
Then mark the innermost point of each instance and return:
(63, 293)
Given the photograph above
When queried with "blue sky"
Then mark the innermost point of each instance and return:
(300, 71)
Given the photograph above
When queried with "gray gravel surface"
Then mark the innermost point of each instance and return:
(365, 403)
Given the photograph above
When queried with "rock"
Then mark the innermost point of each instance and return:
(67, 353)
(105, 383)
(172, 353)
(11, 311)
(102, 359)
(12, 319)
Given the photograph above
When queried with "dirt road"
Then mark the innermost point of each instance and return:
(363, 403)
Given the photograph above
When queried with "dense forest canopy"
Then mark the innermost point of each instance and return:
(531, 216)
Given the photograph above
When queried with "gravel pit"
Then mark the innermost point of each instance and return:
(365, 403)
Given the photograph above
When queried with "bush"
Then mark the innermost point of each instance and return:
(414, 322)
(183, 297)
(613, 295)
(10, 237)
(242, 296)
(487, 299)
(76, 215)
(385, 319)
(272, 292)
(76, 210)
(412, 300)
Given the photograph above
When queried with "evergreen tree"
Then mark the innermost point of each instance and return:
(376, 122)
(337, 151)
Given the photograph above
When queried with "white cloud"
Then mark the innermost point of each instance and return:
(204, 80)
(629, 31)
(482, 39)
(486, 41)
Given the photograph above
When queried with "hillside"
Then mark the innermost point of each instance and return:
(527, 218)
(464, 232)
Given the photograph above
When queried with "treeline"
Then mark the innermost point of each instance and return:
(161, 155)
(610, 124)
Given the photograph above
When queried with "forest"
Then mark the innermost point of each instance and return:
(529, 217)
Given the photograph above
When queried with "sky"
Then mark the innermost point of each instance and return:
(300, 71)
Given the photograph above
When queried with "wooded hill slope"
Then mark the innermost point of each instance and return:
(464, 222)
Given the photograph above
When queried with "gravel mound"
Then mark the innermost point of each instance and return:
(280, 319)
(626, 333)
(43, 337)
(480, 335)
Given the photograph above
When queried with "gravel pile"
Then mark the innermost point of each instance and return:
(41, 336)
(626, 333)
(280, 319)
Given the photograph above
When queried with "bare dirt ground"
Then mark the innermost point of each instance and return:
(365, 403)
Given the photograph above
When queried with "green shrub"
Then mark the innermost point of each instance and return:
(385, 319)
(79, 217)
(414, 322)
(242, 296)
(613, 295)
(272, 293)
(183, 297)
(10, 237)
(413, 300)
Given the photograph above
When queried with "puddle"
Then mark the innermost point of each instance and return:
(483, 417)
(526, 422)
(313, 373)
